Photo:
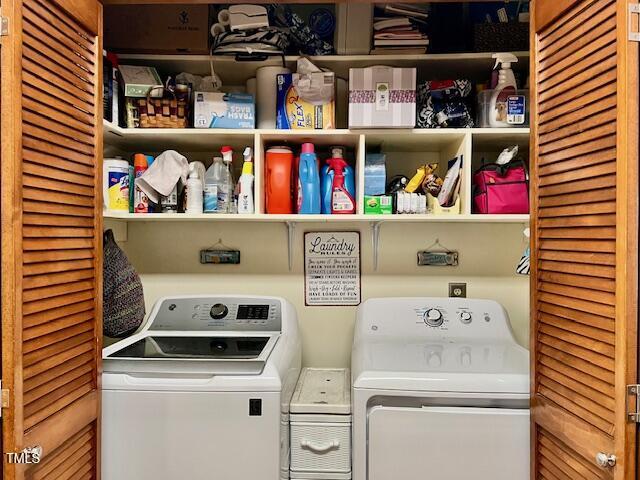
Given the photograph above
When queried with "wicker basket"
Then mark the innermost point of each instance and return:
(169, 111)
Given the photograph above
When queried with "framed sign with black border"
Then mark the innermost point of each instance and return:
(332, 271)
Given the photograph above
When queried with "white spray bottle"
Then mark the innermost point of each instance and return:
(245, 195)
(506, 87)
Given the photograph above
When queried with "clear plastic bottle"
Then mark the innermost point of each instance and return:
(212, 180)
(226, 187)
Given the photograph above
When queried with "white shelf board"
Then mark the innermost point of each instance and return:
(207, 139)
(500, 137)
(429, 65)
(182, 217)
(186, 139)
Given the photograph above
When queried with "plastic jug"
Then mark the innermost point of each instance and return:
(278, 175)
(308, 181)
(327, 176)
(212, 180)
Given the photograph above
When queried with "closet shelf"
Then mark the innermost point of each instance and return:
(261, 217)
(193, 139)
(448, 65)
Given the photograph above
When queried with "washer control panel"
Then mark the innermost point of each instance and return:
(217, 313)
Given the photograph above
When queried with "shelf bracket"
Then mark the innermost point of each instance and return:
(375, 238)
(291, 233)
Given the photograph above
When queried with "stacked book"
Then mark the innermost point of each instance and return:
(399, 28)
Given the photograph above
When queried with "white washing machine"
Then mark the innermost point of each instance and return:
(440, 390)
(202, 391)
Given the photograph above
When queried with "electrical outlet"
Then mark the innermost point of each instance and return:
(458, 290)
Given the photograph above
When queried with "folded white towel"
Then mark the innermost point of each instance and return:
(164, 173)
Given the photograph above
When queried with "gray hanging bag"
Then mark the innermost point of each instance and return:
(123, 297)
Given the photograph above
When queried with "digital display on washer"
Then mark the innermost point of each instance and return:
(253, 312)
(194, 347)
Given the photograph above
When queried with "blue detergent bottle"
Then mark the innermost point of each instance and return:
(308, 181)
(327, 175)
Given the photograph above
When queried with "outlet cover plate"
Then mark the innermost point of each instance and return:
(458, 290)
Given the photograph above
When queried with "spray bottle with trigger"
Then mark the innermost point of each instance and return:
(342, 202)
(505, 88)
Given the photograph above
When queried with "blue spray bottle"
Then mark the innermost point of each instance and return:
(308, 181)
(327, 175)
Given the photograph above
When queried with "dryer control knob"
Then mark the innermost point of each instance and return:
(465, 317)
(433, 317)
(219, 311)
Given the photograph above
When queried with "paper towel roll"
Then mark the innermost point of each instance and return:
(251, 87)
(217, 29)
(266, 95)
(224, 17)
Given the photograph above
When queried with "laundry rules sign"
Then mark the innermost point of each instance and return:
(332, 268)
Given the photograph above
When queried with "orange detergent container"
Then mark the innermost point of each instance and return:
(278, 180)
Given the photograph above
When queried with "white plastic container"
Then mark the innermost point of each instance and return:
(212, 181)
(514, 118)
(116, 184)
(195, 191)
(320, 418)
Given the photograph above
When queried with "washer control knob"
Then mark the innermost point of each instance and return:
(465, 317)
(433, 317)
(219, 311)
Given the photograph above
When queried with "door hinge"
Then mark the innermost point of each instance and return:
(633, 403)
(634, 11)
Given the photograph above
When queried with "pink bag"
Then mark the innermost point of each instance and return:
(501, 189)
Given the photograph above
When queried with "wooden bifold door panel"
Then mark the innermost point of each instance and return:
(51, 236)
(584, 255)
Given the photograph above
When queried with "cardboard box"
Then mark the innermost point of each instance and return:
(156, 28)
(137, 81)
(382, 97)
(378, 204)
(354, 28)
(223, 110)
(293, 112)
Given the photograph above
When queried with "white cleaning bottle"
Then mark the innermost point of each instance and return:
(226, 186)
(506, 87)
(212, 179)
(195, 191)
(245, 194)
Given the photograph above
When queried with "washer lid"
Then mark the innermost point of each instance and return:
(399, 364)
(189, 352)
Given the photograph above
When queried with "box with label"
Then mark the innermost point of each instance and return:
(378, 205)
(156, 28)
(305, 101)
(223, 110)
(137, 81)
(382, 97)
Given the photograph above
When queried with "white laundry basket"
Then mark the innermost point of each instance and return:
(321, 425)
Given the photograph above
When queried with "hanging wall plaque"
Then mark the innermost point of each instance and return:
(332, 268)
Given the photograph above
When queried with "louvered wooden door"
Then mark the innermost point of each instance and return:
(584, 255)
(51, 236)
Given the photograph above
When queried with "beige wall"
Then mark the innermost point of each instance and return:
(167, 257)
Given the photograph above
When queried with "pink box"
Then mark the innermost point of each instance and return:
(382, 97)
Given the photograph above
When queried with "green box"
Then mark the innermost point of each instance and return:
(378, 204)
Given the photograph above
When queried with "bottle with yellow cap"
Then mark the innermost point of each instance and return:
(245, 194)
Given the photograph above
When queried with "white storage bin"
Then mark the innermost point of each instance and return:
(320, 419)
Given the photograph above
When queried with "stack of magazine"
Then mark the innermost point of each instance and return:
(399, 28)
